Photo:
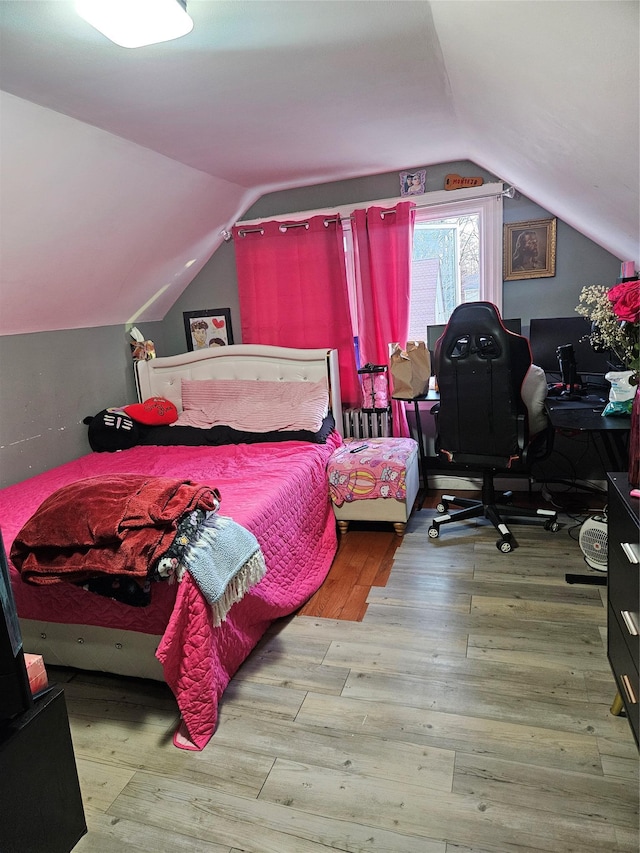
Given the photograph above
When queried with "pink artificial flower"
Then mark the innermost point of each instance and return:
(625, 301)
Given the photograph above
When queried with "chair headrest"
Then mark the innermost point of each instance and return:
(475, 328)
(481, 316)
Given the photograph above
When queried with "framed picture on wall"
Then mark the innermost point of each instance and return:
(208, 328)
(530, 249)
(413, 183)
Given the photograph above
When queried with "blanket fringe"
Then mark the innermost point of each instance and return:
(249, 575)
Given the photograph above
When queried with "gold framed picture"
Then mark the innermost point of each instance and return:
(530, 249)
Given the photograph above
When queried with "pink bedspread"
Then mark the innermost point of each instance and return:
(278, 491)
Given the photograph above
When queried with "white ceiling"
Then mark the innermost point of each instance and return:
(119, 168)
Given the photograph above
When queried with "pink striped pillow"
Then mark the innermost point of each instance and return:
(253, 405)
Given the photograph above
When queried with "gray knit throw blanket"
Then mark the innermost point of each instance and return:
(225, 561)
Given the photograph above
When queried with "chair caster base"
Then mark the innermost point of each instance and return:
(505, 545)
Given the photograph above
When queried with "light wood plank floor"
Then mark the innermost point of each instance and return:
(467, 711)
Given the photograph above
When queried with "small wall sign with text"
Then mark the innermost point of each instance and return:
(457, 182)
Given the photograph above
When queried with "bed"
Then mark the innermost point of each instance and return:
(275, 489)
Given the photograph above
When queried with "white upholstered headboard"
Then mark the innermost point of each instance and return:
(161, 377)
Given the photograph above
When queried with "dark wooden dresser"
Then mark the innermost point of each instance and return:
(623, 620)
(41, 807)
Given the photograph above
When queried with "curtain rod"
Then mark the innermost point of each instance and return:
(284, 226)
(442, 197)
(510, 192)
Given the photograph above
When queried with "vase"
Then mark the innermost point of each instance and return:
(634, 442)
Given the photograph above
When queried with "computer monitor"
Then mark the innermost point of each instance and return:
(546, 334)
(434, 332)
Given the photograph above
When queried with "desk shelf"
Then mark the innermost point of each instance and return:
(429, 397)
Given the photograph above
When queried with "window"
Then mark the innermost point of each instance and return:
(457, 248)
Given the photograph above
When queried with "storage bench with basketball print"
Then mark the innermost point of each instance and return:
(374, 479)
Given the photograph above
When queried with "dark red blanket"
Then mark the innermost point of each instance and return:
(117, 524)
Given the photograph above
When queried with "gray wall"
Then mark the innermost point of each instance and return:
(215, 286)
(50, 381)
(579, 261)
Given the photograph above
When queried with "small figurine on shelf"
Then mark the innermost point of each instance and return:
(141, 350)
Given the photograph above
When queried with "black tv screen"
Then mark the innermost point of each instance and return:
(546, 334)
(15, 693)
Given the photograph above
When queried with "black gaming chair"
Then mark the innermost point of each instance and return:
(481, 419)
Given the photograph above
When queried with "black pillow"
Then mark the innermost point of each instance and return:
(218, 435)
(112, 429)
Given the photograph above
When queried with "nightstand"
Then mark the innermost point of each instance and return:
(39, 789)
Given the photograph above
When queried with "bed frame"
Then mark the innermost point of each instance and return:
(130, 652)
(161, 377)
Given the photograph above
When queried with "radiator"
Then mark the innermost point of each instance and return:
(360, 424)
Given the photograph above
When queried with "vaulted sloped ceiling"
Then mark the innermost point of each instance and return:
(120, 168)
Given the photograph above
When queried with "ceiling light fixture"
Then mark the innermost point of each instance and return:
(137, 23)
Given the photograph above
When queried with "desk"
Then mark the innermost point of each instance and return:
(610, 435)
(585, 415)
(429, 397)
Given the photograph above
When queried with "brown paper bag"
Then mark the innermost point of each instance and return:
(410, 369)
